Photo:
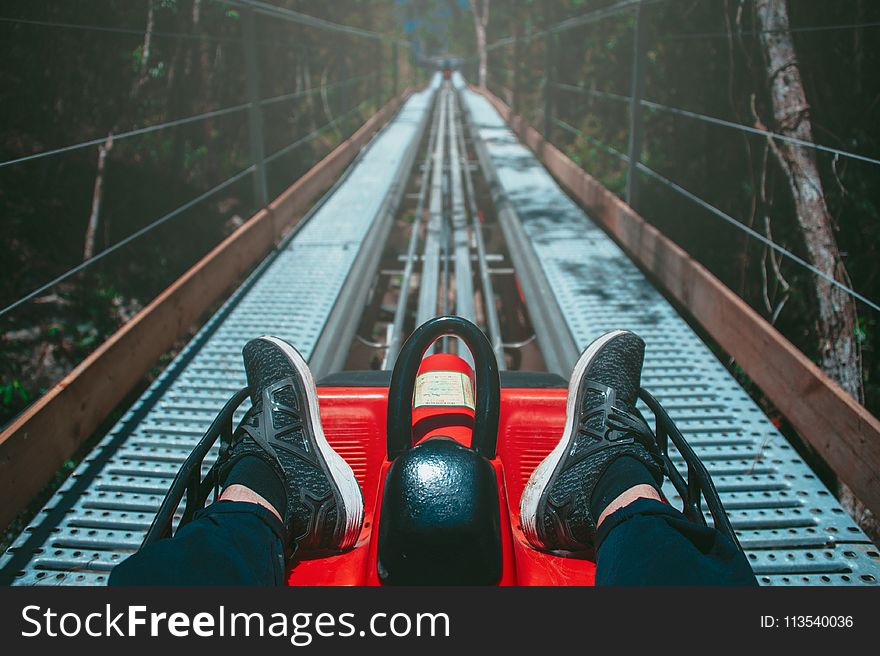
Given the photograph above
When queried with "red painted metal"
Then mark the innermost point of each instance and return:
(455, 421)
(530, 425)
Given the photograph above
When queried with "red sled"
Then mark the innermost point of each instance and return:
(442, 452)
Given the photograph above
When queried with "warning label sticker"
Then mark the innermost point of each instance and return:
(443, 388)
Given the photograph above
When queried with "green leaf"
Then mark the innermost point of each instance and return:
(22, 392)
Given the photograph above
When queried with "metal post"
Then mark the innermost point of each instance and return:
(394, 73)
(379, 77)
(549, 85)
(635, 111)
(255, 111)
(516, 73)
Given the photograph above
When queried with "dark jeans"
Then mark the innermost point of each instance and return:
(235, 543)
(651, 543)
(227, 543)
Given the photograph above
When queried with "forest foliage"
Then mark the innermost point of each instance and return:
(79, 71)
(62, 85)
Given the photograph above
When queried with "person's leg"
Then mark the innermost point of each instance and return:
(648, 542)
(282, 484)
(238, 540)
(599, 488)
(227, 543)
(642, 541)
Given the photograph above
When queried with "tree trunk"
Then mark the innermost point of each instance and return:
(481, 20)
(203, 88)
(97, 193)
(839, 354)
(104, 150)
(146, 50)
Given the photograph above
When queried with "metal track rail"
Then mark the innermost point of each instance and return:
(579, 284)
(102, 511)
(461, 239)
(429, 281)
(492, 324)
(558, 346)
(395, 334)
(329, 353)
(452, 241)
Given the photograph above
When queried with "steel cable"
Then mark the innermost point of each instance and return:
(726, 217)
(181, 121)
(172, 214)
(720, 121)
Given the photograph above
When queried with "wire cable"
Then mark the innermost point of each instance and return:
(170, 215)
(117, 30)
(274, 11)
(599, 14)
(314, 133)
(810, 28)
(178, 122)
(766, 133)
(729, 219)
(577, 21)
(756, 235)
(125, 135)
(273, 43)
(722, 122)
(127, 240)
(611, 150)
(592, 92)
(312, 90)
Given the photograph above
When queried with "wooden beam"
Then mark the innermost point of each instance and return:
(37, 442)
(841, 430)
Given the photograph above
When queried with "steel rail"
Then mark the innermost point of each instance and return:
(492, 323)
(554, 336)
(429, 281)
(464, 286)
(396, 329)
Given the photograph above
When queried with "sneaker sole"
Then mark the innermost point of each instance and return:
(341, 476)
(539, 481)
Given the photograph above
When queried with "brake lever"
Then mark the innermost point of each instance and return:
(698, 485)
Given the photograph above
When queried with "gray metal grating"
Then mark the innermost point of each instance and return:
(792, 528)
(102, 511)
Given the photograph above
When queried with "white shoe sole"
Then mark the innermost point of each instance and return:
(543, 474)
(340, 472)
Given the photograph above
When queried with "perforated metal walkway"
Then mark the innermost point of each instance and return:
(103, 510)
(792, 528)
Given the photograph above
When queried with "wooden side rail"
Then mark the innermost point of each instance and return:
(37, 442)
(841, 430)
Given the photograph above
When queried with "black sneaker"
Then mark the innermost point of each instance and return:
(602, 424)
(325, 507)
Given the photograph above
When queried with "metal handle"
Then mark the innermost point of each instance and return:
(403, 379)
(189, 479)
(699, 484)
